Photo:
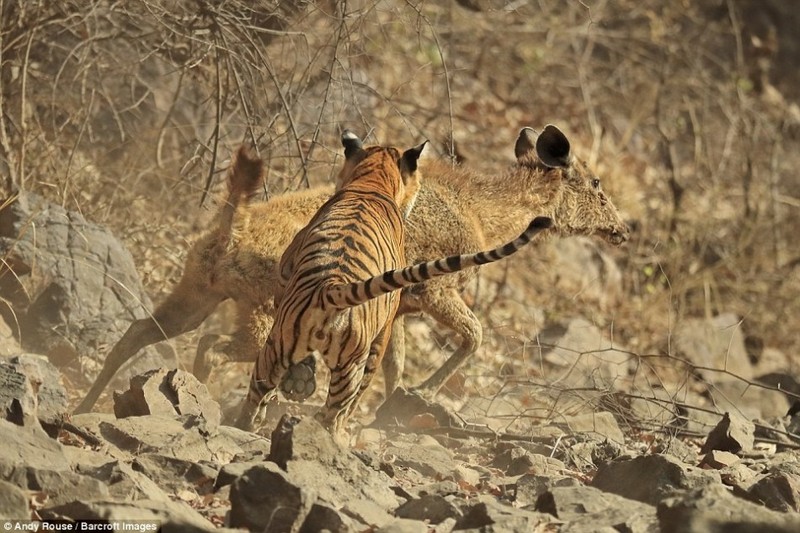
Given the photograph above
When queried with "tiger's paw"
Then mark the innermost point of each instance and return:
(300, 380)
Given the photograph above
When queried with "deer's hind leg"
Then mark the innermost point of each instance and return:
(253, 324)
(189, 304)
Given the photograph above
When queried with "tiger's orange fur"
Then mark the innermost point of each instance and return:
(342, 275)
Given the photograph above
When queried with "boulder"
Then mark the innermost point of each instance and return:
(13, 502)
(778, 490)
(650, 478)
(164, 514)
(529, 487)
(30, 446)
(73, 289)
(30, 390)
(168, 393)
(713, 508)
(714, 345)
(173, 474)
(577, 354)
(185, 438)
(732, 434)
(594, 509)
(55, 487)
(432, 508)
(489, 515)
(283, 507)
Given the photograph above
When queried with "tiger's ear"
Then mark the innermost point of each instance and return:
(411, 156)
(553, 148)
(526, 142)
(351, 143)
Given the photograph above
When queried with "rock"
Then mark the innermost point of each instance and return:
(529, 487)
(323, 517)
(124, 483)
(231, 471)
(312, 458)
(30, 389)
(13, 502)
(403, 406)
(651, 478)
(465, 474)
(779, 491)
(592, 508)
(168, 393)
(283, 507)
(30, 446)
(714, 509)
(600, 425)
(422, 454)
(517, 461)
(174, 474)
(166, 514)
(732, 434)
(598, 279)
(590, 454)
(403, 525)
(718, 460)
(441, 488)
(345, 480)
(433, 509)
(56, 487)
(308, 441)
(17, 398)
(492, 516)
(751, 401)
(74, 288)
(367, 512)
(9, 345)
(737, 475)
(186, 438)
(714, 345)
(580, 355)
(676, 448)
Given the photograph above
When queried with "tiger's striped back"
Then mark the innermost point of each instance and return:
(343, 272)
(356, 234)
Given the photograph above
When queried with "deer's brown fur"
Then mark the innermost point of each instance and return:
(457, 211)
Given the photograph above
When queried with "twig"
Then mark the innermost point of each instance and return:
(215, 134)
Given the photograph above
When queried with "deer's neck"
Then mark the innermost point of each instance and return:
(501, 205)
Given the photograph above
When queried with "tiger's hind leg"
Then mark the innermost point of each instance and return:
(347, 387)
(267, 373)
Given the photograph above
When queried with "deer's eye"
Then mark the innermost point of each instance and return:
(595, 183)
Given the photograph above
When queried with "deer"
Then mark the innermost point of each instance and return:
(458, 211)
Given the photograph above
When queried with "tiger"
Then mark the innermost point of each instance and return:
(340, 280)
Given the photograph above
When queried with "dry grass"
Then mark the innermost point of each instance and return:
(127, 111)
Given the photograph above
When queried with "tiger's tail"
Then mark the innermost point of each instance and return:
(244, 176)
(352, 294)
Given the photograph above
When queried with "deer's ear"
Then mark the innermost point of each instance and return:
(351, 143)
(526, 142)
(553, 148)
(409, 159)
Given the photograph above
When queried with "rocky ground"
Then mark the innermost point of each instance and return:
(650, 387)
(165, 456)
(595, 439)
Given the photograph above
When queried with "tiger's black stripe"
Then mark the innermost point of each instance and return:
(342, 296)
